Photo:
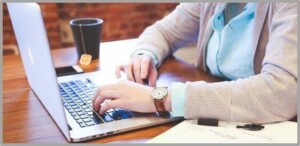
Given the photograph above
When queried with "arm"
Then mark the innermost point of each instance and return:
(172, 32)
(267, 97)
(159, 40)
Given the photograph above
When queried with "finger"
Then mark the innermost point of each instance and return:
(101, 88)
(99, 100)
(128, 71)
(146, 61)
(118, 69)
(152, 77)
(137, 69)
(109, 105)
(104, 87)
(104, 95)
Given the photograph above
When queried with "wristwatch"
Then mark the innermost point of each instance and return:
(159, 95)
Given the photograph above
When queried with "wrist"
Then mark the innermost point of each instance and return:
(152, 105)
(148, 53)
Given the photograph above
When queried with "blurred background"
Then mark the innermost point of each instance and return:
(121, 21)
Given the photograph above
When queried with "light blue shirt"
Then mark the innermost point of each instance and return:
(228, 54)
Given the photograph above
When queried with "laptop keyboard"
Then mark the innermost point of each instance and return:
(77, 99)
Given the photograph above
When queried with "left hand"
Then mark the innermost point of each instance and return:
(139, 68)
(125, 94)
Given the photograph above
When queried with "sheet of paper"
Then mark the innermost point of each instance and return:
(189, 132)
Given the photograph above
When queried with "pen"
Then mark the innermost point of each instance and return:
(208, 122)
(215, 122)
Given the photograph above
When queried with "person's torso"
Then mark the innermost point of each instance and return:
(227, 52)
(258, 39)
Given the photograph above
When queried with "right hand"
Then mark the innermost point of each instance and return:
(139, 68)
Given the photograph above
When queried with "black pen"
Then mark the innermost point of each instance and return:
(210, 122)
(215, 122)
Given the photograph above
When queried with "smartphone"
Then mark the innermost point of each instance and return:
(68, 70)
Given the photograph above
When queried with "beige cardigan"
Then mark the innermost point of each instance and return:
(268, 96)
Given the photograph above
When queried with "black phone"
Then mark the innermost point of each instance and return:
(68, 70)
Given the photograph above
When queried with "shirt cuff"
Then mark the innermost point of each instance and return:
(178, 99)
(148, 53)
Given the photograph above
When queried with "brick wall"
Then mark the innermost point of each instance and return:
(121, 21)
(50, 16)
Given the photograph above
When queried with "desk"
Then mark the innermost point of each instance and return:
(26, 121)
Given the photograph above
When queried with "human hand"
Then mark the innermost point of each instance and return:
(139, 68)
(124, 94)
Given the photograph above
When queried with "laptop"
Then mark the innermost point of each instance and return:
(68, 99)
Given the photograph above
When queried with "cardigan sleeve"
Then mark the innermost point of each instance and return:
(269, 96)
(175, 30)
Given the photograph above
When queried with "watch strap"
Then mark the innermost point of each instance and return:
(160, 107)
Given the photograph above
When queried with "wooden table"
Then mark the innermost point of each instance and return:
(25, 119)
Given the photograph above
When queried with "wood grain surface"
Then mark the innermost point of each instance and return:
(25, 120)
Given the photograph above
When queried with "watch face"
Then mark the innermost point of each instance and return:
(159, 93)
